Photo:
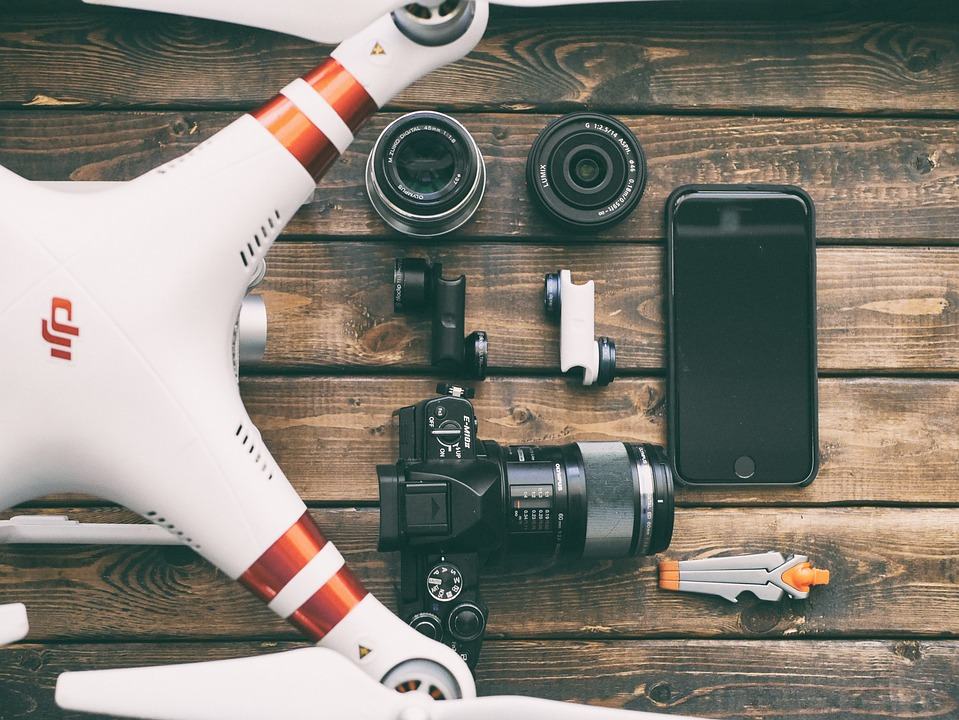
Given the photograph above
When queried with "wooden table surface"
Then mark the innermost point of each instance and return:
(857, 102)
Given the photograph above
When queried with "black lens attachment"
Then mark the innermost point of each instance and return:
(586, 171)
(425, 176)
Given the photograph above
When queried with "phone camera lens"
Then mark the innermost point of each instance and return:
(425, 176)
(586, 171)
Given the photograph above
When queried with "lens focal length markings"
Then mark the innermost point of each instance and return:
(532, 508)
(537, 493)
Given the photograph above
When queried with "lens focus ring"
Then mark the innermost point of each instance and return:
(610, 511)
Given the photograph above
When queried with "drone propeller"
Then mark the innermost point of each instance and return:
(322, 21)
(289, 686)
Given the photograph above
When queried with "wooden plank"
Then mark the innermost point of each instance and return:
(636, 59)
(895, 572)
(330, 305)
(727, 679)
(886, 180)
(882, 440)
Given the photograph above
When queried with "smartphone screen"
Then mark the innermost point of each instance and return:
(742, 336)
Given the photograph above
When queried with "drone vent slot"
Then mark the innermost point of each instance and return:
(259, 457)
(157, 519)
(177, 162)
(266, 230)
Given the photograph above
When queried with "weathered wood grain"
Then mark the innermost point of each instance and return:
(885, 180)
(879, 558)
(855, 101)
(886, 441)
(882, 440)
(330, 306)
(728, 679)
(624, 59)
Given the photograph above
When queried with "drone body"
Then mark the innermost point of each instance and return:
(118, 371)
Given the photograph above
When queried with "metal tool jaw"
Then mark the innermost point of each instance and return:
(768, 576)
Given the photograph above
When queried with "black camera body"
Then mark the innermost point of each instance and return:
(453, 501)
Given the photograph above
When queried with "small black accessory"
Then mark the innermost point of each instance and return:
(417, 286)
(453, 500)
(586, 170)
(425, 176)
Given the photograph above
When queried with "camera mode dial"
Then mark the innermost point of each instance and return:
(444, 582)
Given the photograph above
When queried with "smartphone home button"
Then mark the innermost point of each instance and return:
(745, 467)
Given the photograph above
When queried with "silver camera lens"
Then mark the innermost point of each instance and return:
(425, 176)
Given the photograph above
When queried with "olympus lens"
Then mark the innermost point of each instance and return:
(425, 176)
(589, 499)
(586, 171)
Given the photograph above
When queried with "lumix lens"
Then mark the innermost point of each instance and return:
(586, 171)
(425, 176)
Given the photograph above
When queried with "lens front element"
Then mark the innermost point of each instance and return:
(586, 170)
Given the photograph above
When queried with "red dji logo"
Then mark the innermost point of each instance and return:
(59, 332)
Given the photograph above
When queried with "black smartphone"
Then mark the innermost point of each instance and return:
(742, 386)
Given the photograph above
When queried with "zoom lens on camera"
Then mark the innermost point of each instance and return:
(586, 171)
(425, 176)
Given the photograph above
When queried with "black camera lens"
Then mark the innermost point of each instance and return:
(589, 499)
(586, 171)
(425, 176)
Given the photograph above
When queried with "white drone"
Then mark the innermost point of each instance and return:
(118, 378)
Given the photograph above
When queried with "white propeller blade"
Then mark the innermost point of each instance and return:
(323, 21)
(290, 686)
(13, 623)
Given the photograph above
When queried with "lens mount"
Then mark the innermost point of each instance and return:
(586, 171)
(425, 176)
